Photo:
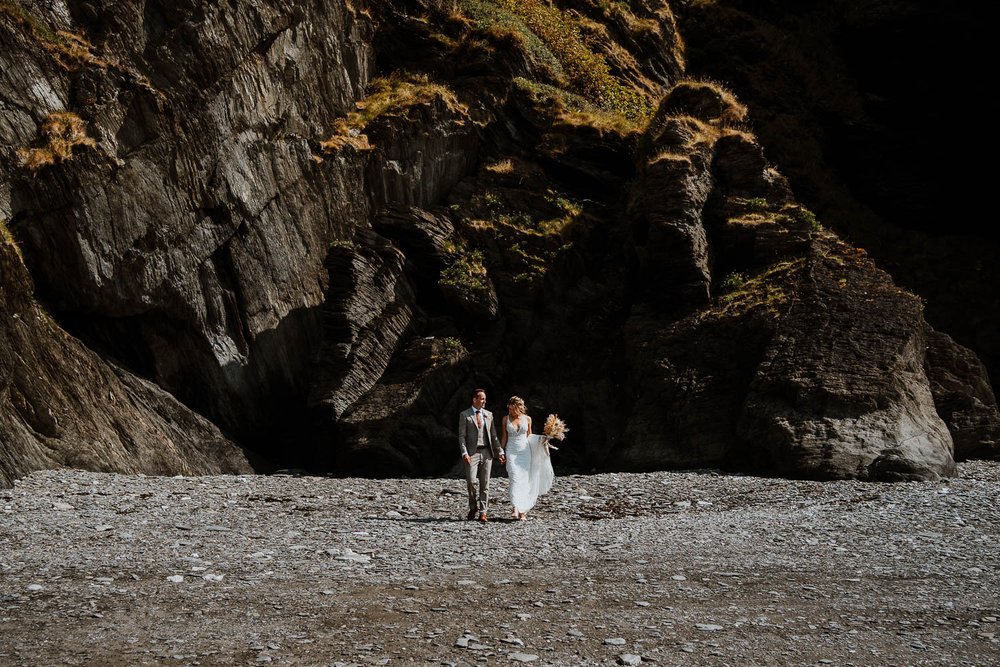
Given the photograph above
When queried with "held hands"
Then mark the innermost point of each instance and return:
(468, 459)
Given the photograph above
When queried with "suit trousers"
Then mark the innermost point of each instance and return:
(479, 468)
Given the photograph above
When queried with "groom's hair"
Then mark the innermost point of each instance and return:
(477, 391)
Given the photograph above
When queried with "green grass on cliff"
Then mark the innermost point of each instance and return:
(528, 221)
(466, 272)
(537, 24)
(571, 109)
(802, 215)
(769, 291)
(388, 95)
(498, 21)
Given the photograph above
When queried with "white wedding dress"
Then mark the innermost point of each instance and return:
(528, 466)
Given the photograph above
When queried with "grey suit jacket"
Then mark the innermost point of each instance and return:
(468, 433)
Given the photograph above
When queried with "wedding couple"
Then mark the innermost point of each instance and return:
(528, 465)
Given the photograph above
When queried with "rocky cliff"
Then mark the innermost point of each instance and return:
(319, 227)
(847, 97)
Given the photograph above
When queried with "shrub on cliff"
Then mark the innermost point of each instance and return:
(63, 131)
(69, 49)
(466, 273)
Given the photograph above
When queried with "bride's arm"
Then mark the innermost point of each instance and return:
(529, 425)
(503, 433)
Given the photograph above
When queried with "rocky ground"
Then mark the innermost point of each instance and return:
(669, 568)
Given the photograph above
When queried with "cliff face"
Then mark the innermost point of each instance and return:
(320, 227)
(188, 237)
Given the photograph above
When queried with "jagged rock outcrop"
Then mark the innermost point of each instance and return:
(62, 405)
(322, 226)
(963, 397)
(368, 308)
(418, 158)
(674, 187)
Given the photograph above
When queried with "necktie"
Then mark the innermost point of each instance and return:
(479, 419)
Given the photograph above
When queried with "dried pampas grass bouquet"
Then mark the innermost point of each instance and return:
(554, 429)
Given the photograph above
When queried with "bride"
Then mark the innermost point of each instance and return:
(528, 465)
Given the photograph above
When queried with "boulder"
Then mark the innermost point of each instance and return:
(841, 391)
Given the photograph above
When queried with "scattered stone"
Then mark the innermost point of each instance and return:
(352, 557)
(629, 659)
(382, 609)
(614, 641)
(522, 657)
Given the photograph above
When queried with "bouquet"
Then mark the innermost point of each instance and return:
(554, 429)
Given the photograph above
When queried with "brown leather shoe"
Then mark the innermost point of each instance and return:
(472, 515)
(482, 518)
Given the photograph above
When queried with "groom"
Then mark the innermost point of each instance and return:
(479, 445)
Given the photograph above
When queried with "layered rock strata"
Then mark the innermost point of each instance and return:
(61, 405)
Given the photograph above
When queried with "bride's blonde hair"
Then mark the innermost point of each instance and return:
(518, 404)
